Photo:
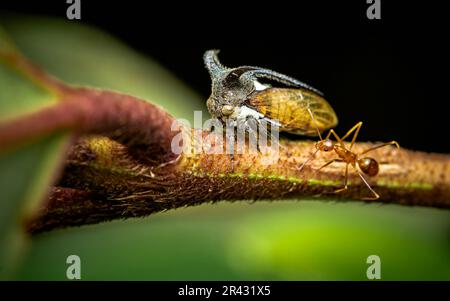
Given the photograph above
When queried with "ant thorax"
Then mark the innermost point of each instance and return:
(345, 154)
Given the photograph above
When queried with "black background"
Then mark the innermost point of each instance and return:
(391, 73)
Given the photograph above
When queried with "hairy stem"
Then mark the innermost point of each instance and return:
(110, 184)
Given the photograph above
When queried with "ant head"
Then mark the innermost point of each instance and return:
(369, 166)
(326, 145)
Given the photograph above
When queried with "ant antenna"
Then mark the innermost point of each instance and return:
(309, 159)
(318, 132)
(315, 123)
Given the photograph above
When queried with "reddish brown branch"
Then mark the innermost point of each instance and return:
(145, 128)
(121, 187)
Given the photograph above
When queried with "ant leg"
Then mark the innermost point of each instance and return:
(376, 195)
(330, 162)
(345, 181)
(341, 141)
(381, 145)
(355, 129)
(308, 160)
(338, 139)
(318, 134)
(315, 124)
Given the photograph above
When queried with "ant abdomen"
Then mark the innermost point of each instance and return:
(369, 166)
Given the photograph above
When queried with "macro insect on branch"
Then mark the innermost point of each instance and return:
(238, 97)
(120, 163)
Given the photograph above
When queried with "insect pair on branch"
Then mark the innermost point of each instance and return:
(239, 95)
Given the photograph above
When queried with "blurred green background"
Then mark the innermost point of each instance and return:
(280, 240)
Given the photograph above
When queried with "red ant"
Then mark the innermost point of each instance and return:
(367, 165)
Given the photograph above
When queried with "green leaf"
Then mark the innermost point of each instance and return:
(285, 240)
(25, 176)
(26, 171)
(6, 45)
(19, 95)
